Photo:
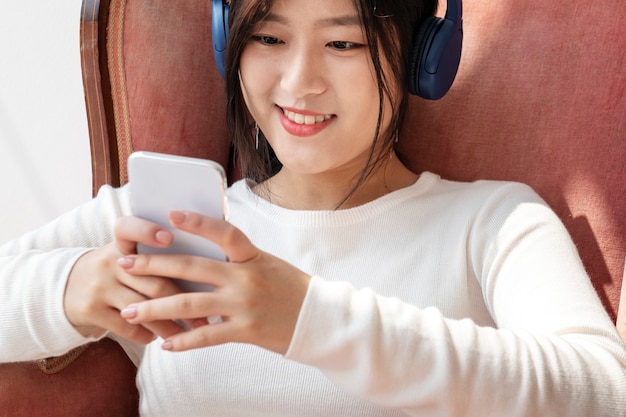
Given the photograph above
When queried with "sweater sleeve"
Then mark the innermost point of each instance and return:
(33, 275)
(553, 352)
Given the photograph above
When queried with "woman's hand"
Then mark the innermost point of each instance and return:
(257, 295)
(98, 286)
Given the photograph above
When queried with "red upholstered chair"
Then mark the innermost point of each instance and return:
(540, 97)
(151, 83)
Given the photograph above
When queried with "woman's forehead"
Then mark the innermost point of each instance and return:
(329, 8)
(318, 16)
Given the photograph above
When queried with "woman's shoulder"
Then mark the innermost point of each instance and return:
(479, 190)
(470, 201)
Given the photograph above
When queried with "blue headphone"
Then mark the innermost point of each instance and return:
(434, 58)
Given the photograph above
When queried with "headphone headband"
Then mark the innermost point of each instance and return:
(219, 32)
(434, 58)
(454, 10)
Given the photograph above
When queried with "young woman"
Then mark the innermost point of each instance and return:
(354, 286)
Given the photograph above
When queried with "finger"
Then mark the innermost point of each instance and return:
(181, 306)
(211, 335)
(145, 283)
(233, 242)
(191, 268)
(134, 332)
(162, 328)
(130, 230)
(144, 333)
(165, 330)
(141, 333)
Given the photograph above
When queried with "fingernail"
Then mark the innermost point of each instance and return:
(167, 345)
(126, 261)
(178, 217)
(129, 312)
(163, 236)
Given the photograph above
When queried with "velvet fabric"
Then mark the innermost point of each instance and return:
(99, 383)
(167, 94)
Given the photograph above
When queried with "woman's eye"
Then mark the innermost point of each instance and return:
(344, 45)
(267, 40)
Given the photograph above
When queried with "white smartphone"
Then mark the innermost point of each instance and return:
(160, 183)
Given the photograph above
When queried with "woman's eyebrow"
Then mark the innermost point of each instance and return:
(344, 20)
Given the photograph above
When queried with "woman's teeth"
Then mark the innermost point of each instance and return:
(305, 119)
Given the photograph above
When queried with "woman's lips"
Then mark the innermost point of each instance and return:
(300, 123)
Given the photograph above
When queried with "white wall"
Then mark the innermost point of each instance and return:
(44, 144)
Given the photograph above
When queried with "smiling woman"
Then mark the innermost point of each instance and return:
(355, 285)
(294, 71)
(317, 97)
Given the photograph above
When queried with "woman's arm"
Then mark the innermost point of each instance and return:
(33, 275)
(555, 351)
(60, 285)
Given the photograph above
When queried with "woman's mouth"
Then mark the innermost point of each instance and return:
(303, 124)
(305, 119)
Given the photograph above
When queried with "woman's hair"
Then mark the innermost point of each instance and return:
(389, 27)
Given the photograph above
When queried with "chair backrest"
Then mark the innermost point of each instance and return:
(539, 98)
(151, 83)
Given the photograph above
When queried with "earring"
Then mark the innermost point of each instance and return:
(256, 136)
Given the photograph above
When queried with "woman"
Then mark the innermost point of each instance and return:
(355, 287)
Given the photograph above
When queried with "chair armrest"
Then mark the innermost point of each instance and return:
(99, 382)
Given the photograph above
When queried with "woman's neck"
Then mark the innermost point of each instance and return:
(328, 191)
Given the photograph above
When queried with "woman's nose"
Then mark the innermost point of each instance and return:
(303, 74)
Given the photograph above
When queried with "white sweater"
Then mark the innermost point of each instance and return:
(440, 299)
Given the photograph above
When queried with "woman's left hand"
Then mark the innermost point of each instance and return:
(258, 295)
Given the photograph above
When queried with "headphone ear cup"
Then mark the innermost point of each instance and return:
(420, 38)
(435, 57)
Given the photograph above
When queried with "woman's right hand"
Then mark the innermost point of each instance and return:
(98, 288)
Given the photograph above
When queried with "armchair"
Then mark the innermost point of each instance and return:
(540, 97)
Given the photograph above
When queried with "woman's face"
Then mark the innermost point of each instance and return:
(308, 81)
